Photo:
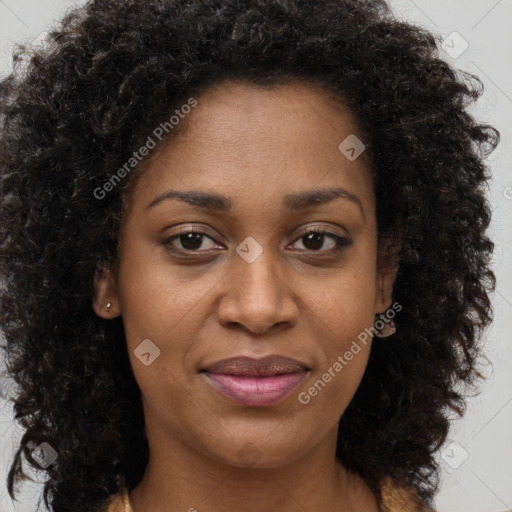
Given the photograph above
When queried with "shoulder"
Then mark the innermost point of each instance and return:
(401, 499)
(118, 502)
(394, 499)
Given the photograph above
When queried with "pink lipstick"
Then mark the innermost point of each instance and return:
(256, 382)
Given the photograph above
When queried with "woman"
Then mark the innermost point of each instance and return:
(244, 256)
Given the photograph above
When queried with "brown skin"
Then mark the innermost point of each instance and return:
(255, 146)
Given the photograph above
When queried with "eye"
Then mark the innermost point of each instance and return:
(190, 241)
(315, 238)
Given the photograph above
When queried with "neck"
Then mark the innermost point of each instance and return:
(179, 477)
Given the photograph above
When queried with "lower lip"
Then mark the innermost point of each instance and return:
(255, 391)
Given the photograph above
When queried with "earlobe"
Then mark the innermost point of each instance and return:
(104, 300)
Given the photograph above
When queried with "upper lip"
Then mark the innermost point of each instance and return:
(250, 367)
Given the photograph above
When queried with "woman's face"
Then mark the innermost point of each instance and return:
(254, 283)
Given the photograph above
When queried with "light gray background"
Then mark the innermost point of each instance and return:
(480, 444)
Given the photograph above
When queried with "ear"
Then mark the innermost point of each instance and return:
(104, 300)
(387, 268)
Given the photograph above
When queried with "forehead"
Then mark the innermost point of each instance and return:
(242, 137)
(238, 112)
(247, 107)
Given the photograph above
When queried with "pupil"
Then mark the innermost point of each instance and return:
(190, 238)
(315, 237)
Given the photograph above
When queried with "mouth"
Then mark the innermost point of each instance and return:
(256, 382)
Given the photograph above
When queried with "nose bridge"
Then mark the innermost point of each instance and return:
(256, 295)
(257, 265)
(259, 278)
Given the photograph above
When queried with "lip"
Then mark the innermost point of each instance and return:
(245, 366)
(255, 382)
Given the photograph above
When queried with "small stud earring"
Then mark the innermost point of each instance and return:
(383, 328)
(108, 305)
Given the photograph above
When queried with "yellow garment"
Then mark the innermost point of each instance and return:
(395, 499)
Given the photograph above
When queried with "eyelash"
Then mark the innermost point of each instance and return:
(341, 242)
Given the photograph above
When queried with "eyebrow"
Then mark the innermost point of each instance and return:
(293, 202)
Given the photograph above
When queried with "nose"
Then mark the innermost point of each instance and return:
(257, 297)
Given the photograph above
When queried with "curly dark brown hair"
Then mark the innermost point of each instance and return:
(70, 118)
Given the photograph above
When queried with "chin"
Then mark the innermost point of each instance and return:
(259, 455)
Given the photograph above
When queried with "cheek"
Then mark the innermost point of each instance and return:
(341, 317)
(156, 299)
(169, 306)
(344, 304)
(344, 343)
(158, 306)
